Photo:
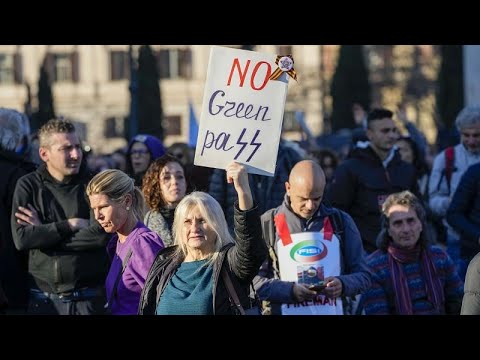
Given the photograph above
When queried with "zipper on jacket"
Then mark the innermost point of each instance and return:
(55, 269)
(388, 177)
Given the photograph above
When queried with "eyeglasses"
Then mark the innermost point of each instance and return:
(139, 152)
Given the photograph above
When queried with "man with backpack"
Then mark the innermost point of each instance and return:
(328, 269)
(448, 168)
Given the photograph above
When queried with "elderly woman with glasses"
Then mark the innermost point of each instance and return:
(142, 150)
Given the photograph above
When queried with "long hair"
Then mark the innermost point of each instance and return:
(407, 199)
(117, 185)
(211, 211)
(419, 162)
(151, 181)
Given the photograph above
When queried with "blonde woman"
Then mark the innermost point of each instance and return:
(119, 207)
(188, 278)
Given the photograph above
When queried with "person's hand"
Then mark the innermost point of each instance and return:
(237, 173)
(402, 114)
(78, 223)
(302, 293)
(333, 287)
(27, 216)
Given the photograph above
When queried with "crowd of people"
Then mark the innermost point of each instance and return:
(391, 228)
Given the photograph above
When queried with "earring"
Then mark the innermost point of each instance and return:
(128, 208)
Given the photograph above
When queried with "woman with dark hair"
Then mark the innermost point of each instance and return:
(410, 152)
(164, 185)
(328, 161)
(410, 276)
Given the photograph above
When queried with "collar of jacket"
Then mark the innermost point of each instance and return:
(81, 177)
(297, 224)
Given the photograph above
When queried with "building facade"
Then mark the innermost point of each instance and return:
(90, 86)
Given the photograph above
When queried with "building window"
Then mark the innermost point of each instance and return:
(172, 125)
(113, 127)
(7, 69)
(174, 63)
(119, 66)
(290, 123)
(63, 68)
(110, 130)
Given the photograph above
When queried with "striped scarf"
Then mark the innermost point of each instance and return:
(403, 302)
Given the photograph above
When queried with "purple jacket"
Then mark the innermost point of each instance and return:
(145, 245)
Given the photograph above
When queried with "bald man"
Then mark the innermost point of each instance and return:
(302, 211)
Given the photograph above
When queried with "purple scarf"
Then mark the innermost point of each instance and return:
(397, 257)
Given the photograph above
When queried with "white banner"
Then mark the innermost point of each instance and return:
(242, 111)
(309, 259)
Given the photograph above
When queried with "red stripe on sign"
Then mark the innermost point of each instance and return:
(282, 229)
(327, 229)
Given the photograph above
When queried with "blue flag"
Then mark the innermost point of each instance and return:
(192, 127)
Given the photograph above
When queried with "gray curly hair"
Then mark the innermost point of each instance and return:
(11, 131)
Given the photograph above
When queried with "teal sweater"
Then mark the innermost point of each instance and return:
(189, 292)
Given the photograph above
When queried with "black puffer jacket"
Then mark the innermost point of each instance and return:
(241, 260)
(362, 183)
(463, 213)
(13, 263)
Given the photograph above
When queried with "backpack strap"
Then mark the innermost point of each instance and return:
(449, 160)
(351, 305)
(269, 234)
(336, 219)
(282, 229)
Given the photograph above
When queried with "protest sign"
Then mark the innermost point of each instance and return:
(242, 111)
(309, 258)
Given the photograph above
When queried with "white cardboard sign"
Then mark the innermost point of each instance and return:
(309, 259)
(242, 111)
